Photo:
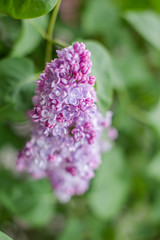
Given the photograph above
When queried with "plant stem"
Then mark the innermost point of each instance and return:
(50, 32)
(46, 37)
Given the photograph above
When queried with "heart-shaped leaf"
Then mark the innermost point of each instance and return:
(26, 9)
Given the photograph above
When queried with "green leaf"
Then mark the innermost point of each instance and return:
(153, 169)
(127, 66)
(99, 18)
(146, 95)
(155, 208)
(147, 24)
(9, 31)
(32, 200)
(103, 70)
(30, 37)
(72, 230)
(8, 112)
(9, 136)
(16, 75)
(4, 236)
(26, 9)
(110, 186)
(135, 5)
(153, 118)
(156, 5)
(95, 17)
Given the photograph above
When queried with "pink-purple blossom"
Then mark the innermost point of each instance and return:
(66, 140)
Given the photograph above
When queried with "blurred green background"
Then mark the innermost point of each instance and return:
(123, 202)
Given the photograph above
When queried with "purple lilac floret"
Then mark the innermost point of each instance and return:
(66, 141)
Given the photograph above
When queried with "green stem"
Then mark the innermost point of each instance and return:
(46, 37)
(50, 32)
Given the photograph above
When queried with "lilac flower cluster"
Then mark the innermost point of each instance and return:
(67, 127)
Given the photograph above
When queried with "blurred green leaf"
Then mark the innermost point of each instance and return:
(133, 225)
(153, 118)
(94, 228)
(9, 136)
(8, 112)
(147, 24)
(110, 186)
(72, 230)
(30, 36)
(4, 236)
(103, 70)
(9, 31)
(135, 5)
(153, 168)
(26, 9)
(14, 79)
(146, 95)
(156, 5)
(155, 208)
(95, 19)
(32, 200)
(127, 66)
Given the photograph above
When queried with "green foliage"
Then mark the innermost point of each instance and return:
(29, 34)
(147, 24)
(153, 168)
(8, 38)
(110, 187)
(13, 80)
(93, 19)
(36, 208)
(10, 137)
(123, 201)
(26, 9)
(72, 230)
(153, 117)
(4, 236)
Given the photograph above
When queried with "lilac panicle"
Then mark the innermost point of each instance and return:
(66, 141)
(65, 96)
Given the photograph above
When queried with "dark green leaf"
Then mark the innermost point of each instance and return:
(155, 207)
(8, 112)
(16, 74)
(9, 31)
(26, 9)
(9, 136)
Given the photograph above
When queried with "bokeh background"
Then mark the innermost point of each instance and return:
(123, 202)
